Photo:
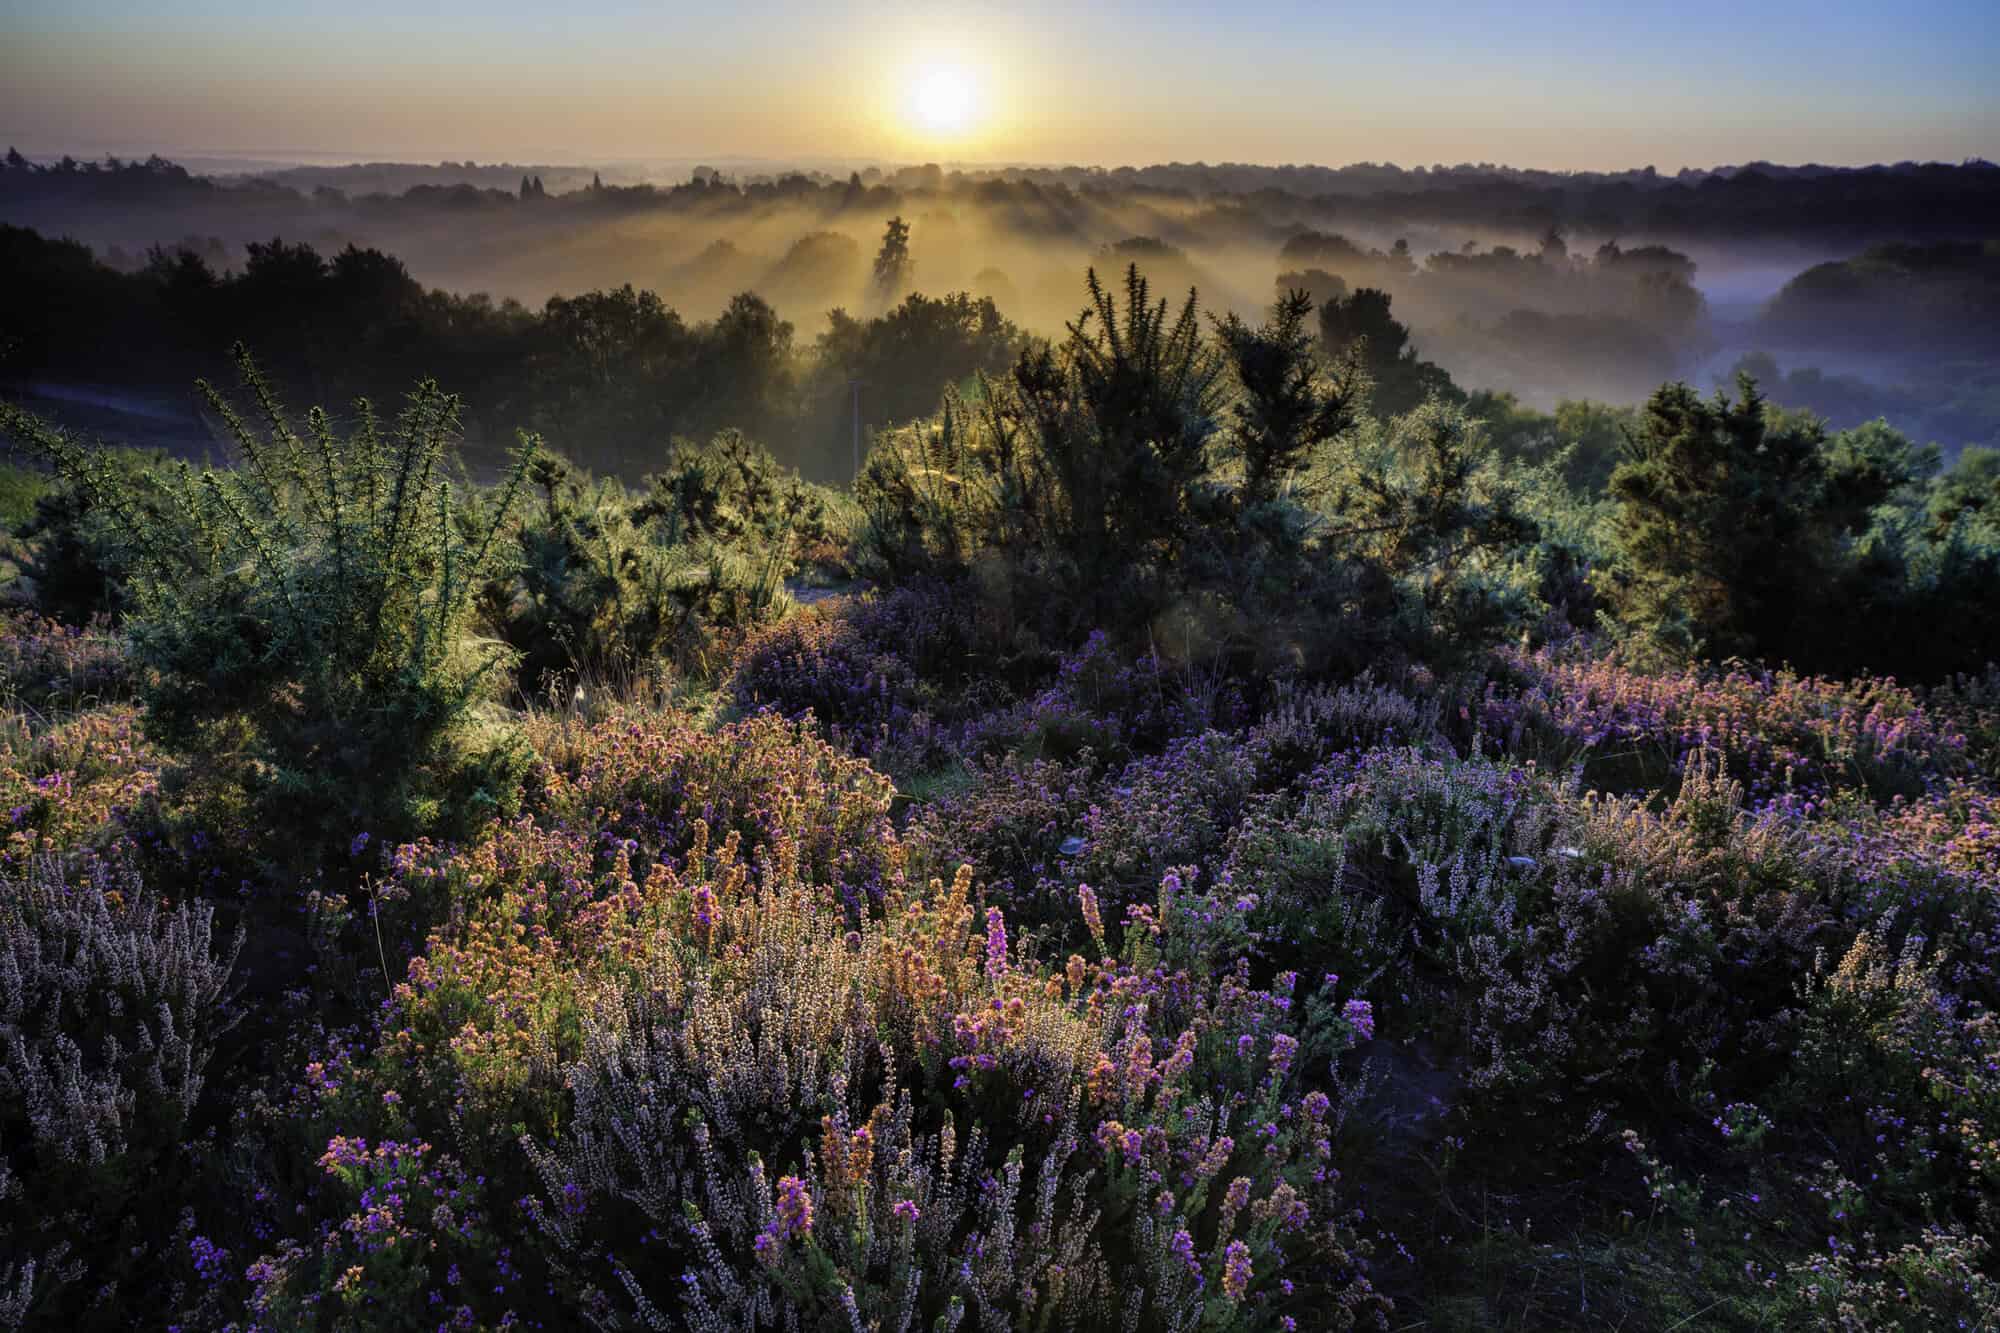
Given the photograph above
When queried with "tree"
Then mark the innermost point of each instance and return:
(1288, 404)
(892, 261)
(1360, 326)
(908, 355)
(1722, 524)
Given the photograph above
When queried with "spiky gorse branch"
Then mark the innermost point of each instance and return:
(306, 613)
(1084, 452)
(605, 583)
(1142, 472)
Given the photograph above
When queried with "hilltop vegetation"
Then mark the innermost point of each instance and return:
(1550, 286)
(1220, 828)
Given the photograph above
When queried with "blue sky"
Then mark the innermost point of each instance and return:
(1566, 85)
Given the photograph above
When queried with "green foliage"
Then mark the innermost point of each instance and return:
(1585, 439)
(71, 561)
(1722, 527)
(1740, 529)
(1287, 407)
(1081, 464)
(20, 489)
(1093, 487)
(904, 361)
(304, 618)
(1969, 492)
(609, 584)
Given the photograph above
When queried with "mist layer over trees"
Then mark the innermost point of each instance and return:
(1856, 293)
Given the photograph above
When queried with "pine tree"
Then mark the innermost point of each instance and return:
(892, 261)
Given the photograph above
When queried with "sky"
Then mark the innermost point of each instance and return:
(1563, 85)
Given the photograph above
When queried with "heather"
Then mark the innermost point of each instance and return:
(1177, 849)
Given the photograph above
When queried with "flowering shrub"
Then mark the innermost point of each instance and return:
(650, 779)
(991, 1136)
(1778, 731)
(61, 783)
(1155, 996)
(869, 668)
(47, 665)
(110, 1006)
(746, 1096)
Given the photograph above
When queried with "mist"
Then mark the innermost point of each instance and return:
(1547, 287)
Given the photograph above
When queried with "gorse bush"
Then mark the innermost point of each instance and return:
(1221, 493)
(1076, 467)
(303, 619)
(74, 563)
(605, 581)
(1737, 529)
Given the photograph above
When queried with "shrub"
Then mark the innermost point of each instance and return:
(876, 669)
(49, 666)
(1780, 733)
(74, 563)
(608, 582)
(1077, 469)
(111, 1003)
(748, 1096)
(62, 782)
(1219, 496)
(304, 620)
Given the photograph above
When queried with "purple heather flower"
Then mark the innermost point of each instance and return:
(996, 944)
(1236, 1273)
(1361, 1015)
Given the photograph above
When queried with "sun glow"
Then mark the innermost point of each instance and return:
(943, 101)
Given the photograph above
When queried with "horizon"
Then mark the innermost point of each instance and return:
(215, 161)
(1559, 88)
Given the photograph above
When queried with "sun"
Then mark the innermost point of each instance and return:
(943, 100)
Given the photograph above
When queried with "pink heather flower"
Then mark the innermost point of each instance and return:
(1236, 1273)
(1092, 917)
(1361, 1015)
(906, 1210)
(996, 944)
